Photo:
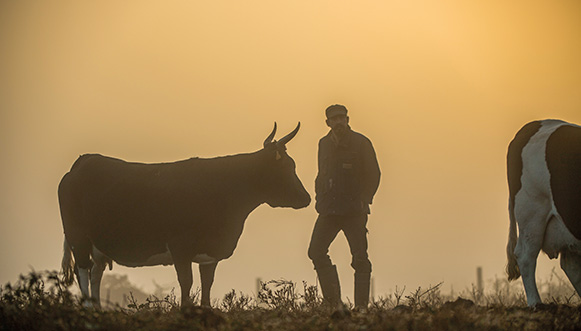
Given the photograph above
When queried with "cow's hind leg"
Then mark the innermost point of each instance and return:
(571, 264)
(79, 243)
(83, 266)
(99, 263)
(530, 241)
(83, 277)
(207, 272)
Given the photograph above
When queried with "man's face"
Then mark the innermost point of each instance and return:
(338, 124)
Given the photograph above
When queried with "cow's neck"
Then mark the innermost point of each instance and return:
(244, 176)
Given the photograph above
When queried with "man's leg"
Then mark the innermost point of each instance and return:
(324, 232)
(356, 233)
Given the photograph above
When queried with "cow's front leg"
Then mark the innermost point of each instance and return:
(185, 278)
(207, 277)
(96, 276)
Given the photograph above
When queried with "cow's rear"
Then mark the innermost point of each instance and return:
(79, 256)
(543, 191)
(514, 173)
(72, 213)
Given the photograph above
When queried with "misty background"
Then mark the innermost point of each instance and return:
(440, 88)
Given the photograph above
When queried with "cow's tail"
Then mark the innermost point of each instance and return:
(68, 264)
(512, 266)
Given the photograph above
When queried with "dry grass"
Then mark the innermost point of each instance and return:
(39, 301)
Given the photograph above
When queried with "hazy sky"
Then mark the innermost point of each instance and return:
(440, 87)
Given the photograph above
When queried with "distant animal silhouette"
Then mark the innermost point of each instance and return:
(544, 179)
(169, 213)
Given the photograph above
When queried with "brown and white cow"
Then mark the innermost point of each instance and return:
(544, 179)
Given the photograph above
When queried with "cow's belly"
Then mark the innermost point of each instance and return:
(165, 258)
(136, 257)
(204, 259)
(133, 247)
(133, 253)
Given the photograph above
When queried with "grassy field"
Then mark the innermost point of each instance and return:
(39, 301)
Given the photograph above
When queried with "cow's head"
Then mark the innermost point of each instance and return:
(282, 186)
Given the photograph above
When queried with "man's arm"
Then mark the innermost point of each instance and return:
(318, 180)
(371, 172)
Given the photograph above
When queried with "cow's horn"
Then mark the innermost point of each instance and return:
(270, 136)
(288, 137)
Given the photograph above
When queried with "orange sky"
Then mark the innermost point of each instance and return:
(440, 87)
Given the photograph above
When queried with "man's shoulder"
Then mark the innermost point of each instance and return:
(326, 138)
(359, 136)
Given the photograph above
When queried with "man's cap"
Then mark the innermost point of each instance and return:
(335, 110)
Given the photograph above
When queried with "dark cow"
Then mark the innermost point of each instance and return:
(544, 180)
(169, 213)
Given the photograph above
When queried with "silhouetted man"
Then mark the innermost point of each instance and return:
(345, 185)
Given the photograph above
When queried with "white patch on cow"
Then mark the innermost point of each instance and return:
(203, 259)
(533, 203)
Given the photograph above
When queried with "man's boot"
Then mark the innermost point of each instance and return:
(329, 280)
(362, 281)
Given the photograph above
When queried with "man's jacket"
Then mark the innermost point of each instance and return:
(348, 175)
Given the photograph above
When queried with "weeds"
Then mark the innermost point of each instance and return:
(31, 290)
(278, 294)
(233, 302)
(40, 301)
(166, 304)
(429, 298)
